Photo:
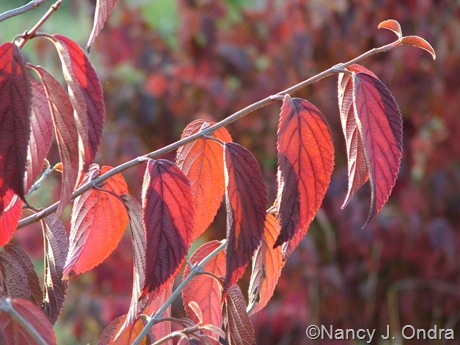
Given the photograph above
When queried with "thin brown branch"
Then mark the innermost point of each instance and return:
(31, 33)
(209, 130)
(22, 9)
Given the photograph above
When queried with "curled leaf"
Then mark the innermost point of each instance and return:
(419, 42)
(380, 126)
(393, 25)
(103, 10)
(9, 218)
(267, 264)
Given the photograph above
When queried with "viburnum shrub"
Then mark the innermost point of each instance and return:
(179, 199)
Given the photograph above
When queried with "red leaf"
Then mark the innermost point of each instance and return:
(9, 218)
(246, 200)
(85, 94)
(103, 10)
(161, 329)
(31, 278)
(41, 134)
(420, 43)
(65, 130)
(203, 289)
(116, 334)
(13, 278)
(203, 163)
(305, 164)
(359, 68)
(98, 221)
(393, 25)
(380, 125)
(239, 327)
(14, 333)
(267, 264)
(56, 249)
(139, 240)
(168, 215)
(358, 173)
(14, 119)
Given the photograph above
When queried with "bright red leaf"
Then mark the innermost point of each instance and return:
(203, 289)
(41, 134)
(117, 334)
(203, 163)
(169, 219)
(103, 10)
(380, 124)
(65, 130)
(15, 107)
(9, 218)
(267, 264)
(161, 329)
(419, 42)
(393, 25)
(239, 328)
(305, 164)
(98, 221)
(246, 201)
(14, 333)
(85, 94)
(56, 249)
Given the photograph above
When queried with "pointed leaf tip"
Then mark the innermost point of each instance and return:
(392, 25)
(419, 42)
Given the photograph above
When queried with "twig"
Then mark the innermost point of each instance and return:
(22, 9)
(197, 269)
(7, 307)
(31, 33)
(209, 130)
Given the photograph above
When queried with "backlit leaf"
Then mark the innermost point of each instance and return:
(358, 173)
(203, 163)
(9, 218)
(305, 164)
(246, 201)
(169, 220)
(112, 335)
(238, 325)
(15, 107)
(203, 289)
(267, 264)
(420, 43)
(380, 124)
(160, 329)
(98, 221)
(103, 10)
(27, 267)
(56, 249)
(65, 130)
(41, 134)
(139, 240)
(14, 332)
(85, 94)
(393, 25)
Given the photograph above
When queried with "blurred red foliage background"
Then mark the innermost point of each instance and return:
(220, 56)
